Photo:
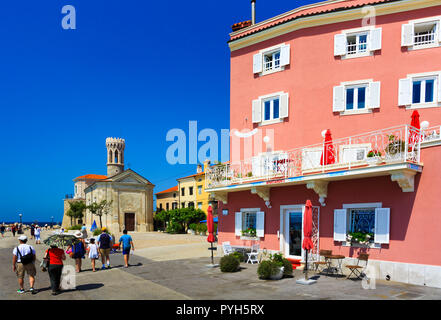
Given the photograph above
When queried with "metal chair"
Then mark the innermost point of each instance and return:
(322, 262)
(357, 270)
(226, 246)
(252, 256)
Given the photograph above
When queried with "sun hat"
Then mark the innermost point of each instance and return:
(78, 234)
(103, 229)
(23, 238)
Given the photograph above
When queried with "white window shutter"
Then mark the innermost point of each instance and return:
(285, 55)
(257, 111)
(405, 92)
(374, 95)
(257, 63)
(339, 44)
(439, 31)
(260, 224)
(238, 224)
(406, 35)
(339, 99)
(340, 216)
(284, 105)
(382, 225)
(375, 36)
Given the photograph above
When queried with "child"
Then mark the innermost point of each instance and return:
(94, 254)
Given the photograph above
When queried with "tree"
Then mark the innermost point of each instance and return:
(98, 209)
(76, 209)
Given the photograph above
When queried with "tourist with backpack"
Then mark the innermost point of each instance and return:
(104, 241)
(54, 257)
(23, 261)
(127, 245)
(78, 250)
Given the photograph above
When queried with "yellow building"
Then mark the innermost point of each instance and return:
(167, 199)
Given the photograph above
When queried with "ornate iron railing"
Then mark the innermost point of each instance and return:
(393, 145)
(431, 134)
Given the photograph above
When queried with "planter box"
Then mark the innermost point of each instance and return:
(279, 275)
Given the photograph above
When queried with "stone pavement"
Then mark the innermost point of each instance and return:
(170, 272)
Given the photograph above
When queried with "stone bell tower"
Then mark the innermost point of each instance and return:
(115, 156)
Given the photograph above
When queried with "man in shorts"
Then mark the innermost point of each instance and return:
(104, 242)
(2, 230)
(127, 244)
(24, 251)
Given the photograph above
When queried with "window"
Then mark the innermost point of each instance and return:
(270, 109)
(199, 189)
(422, 33)
(191, 204)
(358, 42)
(190, 191)
(271, 60)
(182, 191)
(356, 97)
(183, 205)
(174, 195)
(200, 205)
(248, 220)
(420, 90)
(160, 207)
(167, 206)
(369, 220)
(174, 205)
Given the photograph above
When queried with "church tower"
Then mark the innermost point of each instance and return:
(115, 156)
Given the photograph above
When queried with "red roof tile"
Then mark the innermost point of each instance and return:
(91, 177)
(168, 190)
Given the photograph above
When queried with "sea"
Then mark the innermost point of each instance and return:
(40, 223)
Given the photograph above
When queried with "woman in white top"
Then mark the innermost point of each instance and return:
(37, 234)
(94, 253)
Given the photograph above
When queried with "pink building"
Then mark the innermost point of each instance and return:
(359, 68)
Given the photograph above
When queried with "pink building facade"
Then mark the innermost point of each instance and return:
(359, 69)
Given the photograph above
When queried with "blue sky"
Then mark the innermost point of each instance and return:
(132, 69)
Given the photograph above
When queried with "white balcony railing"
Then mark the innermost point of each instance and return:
(431, 134)
(393, 145)
(423, 38)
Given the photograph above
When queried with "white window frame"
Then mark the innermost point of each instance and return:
(271, 51)
(243, 211)
(423, 90)
(199, 190)
(200, 205)
(273, 69)
(261, 100)
(358, 32)
(347, 207)
(357, 44)
(355, 102)
(357, 84)
(435, 20)
(271, 100)
(436, 90)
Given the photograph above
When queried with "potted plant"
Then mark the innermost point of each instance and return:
(395, 148)
(363, 238)
(250, 232)
(274, 268)
(373, 156)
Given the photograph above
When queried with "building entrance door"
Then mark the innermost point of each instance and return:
(294, 234)
(129, 221)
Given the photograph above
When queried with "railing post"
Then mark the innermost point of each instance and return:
(406, 142)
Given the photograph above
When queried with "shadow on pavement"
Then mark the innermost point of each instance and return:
(85, 287)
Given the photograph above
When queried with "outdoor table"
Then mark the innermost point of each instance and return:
(330, 258)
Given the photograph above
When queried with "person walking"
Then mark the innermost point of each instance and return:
(84, 231)
(13, 230)
(104, 242)
(78, 250)
(23, 261)
(127, 244)
(32, 231)
(37, 234)
(94, 253)
(55, 257)
(2, 230)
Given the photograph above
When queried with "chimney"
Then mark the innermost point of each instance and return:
(253, 12)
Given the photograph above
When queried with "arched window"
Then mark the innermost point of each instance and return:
(110, 156)
(116, 156)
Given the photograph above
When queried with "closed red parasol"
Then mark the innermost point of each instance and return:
(307, 233)
(415, 119)
(210, 225)
(415, 122)
(328, 155)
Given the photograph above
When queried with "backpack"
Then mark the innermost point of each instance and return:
(27, 258)
(104, 241)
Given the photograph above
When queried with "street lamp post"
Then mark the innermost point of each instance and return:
(20, 226)
(20, 215)
(52, 222)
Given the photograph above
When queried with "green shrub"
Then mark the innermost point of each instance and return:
(229, 263)
(76, 227)
(266, 269)
(287, 270)
(239, 256)
(175, 227)
(193, 226)
(97, 232)
(202, 227)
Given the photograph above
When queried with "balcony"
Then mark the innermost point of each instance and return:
(393, 151)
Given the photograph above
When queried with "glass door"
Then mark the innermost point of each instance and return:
(294, 234)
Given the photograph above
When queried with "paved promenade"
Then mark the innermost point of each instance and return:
(173, 267)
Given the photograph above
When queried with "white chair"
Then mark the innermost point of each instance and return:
(226, 246)
(252, 256)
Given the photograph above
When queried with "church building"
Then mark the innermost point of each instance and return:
(129, 195)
